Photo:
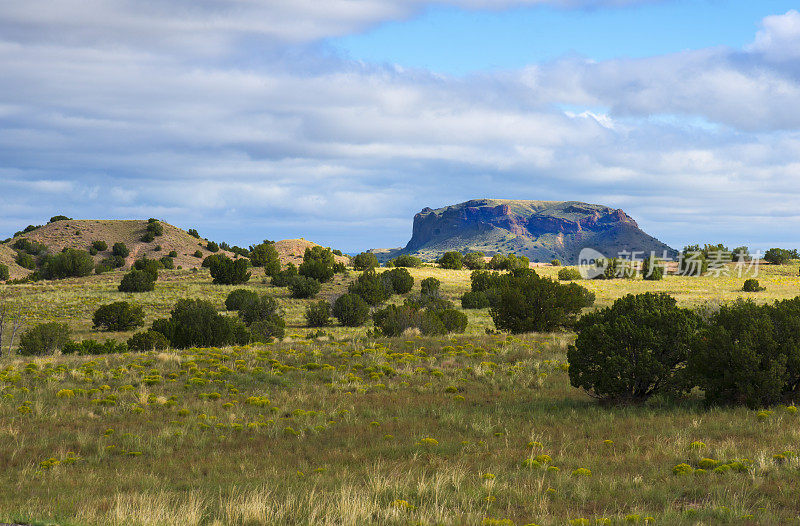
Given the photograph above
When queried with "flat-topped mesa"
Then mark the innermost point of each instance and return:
(539, 229)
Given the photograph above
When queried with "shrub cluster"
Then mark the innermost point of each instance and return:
(69, 263)
(351, 310)
(227, 271)
(509, 262)
(138, 281)
(364, 260)
(742, 354)
(405, 260)
(319, 263)
(196, 323)
(146, 341)
(451, 260)
(474, 260)
(265, 255)
(569, 274)
(318, 314)
(4, 272)
(118, 316)
(284, 277)
(376, 288)
(303, 287)
(393, 320)
(93, 347)
(44, 338)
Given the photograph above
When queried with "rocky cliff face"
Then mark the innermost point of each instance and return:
(541, 230)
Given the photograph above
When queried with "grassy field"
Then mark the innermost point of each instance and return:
(470, 429)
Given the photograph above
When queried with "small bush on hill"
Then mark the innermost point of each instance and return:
(59, 218)
(173, 254)
(155, 228)
(303, 287)
(261, 308)
(212, 260)
(264, 331)
(196, 323)
(318, 314)
(198, 253)
(147, 237)
(265, 255)
(318, 263)
(351, 310)
(226, 271)
(752, 285)
(42, 339)
(118, 316)
(151, 266)
(211, 246)
(25, 260)
(364, 261)
(285, 276)
(451, 260)
(4, 273)
(146, 341)
(569, 274)
(137, 281)
(119, 249)
(70, 263)
(509, 262)
(556, 262)
(193, 232)
(634, 349)
(167, 262)
(100, 246)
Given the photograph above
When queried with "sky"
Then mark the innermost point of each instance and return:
(337, 121)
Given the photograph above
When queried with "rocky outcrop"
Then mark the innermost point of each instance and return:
(542, 230)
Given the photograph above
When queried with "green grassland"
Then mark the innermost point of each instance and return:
(350, 429)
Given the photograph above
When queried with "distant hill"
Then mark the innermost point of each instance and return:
(540, 230)
(80, 233)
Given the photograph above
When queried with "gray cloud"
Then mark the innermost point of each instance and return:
(116, 111)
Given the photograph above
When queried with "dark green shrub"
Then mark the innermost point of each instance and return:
(31, 247)
(285, 276)
(351, 310)
(430, 324)
(615, 268)
(749, 354)
(405, 260)
(198, 253)
(364, 261)
(265, 255)
(453, 320)
(692, 261)
(634, 349)
(556, 262)
(318, 263)
(137, 281)
(237, 298)
(151, 266)
(303, 287)
(371, 288)
(569, 274)
(261, 308)
(109, 263)
(193, 232)
(167, 262)
(92, 251)
(399, 280)
(70, 263)
(100, 246)
(474, 260)
(173, 254)
(430, 287)
(92, 347)
(25, 260)
(119, 249)
(318, 314)
(509, 262)
(264, 331)
(118, 316)
(155, 228)
(59, 218)
(529, 303)
(42, 339)
(226, 271)
(146, 341)
(147, 237)
(778, 256)
(4, 273)
(741, 254)
(212, 260)
(752, 285)
(474, 300)
(652, 269)
(482, 280)
(212, 247)
(392, 320)
(196, 323)
(451, 260)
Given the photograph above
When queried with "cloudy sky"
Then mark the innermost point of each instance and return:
(337, 120)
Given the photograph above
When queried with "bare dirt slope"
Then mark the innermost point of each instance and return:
(292, 250)
(7, 258)
(80, 233)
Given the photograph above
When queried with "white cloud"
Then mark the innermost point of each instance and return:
(779, 38)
